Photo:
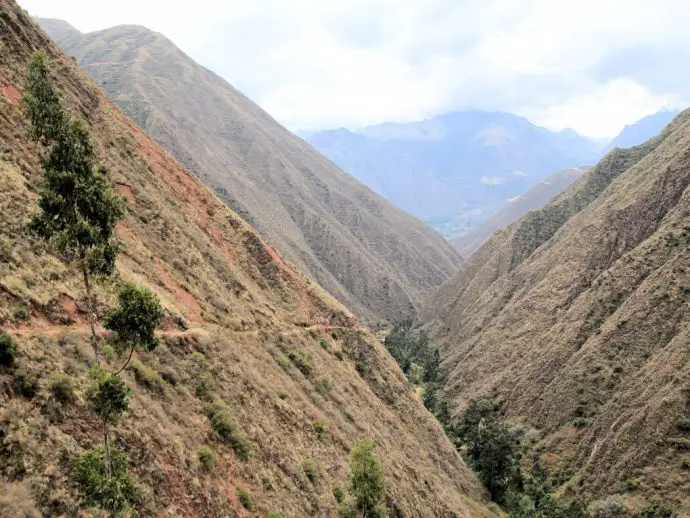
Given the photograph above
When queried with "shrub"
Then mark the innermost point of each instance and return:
(25, 383)
(245, 498)
(310, 470)
(657, 509)
(273, 514)
(108, 352)
(303, 363)
(21, 314)
(325, 344)
(61, 388)
(147, 377)
(223, 425)
(117, 493)
(339, 355)
(322, 386)
(8, 351)
(5, 15)
(283, 395)
(206, 457)
(338, 493)
(319, 428)
(283, 363)
(204, 387)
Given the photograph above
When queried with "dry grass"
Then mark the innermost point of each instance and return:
(232, 307)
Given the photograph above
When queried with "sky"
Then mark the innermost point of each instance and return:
(593, 66)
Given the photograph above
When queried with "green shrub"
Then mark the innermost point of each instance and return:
(283, 363)
(580, 422)
(8, 351)
(339, 355)
(199, 359)
(21, 314)
(117, 493)
(283, 395)
(325, 344)
(147, 377)
(310, 470)
(657, 509)
(322, 386)
(225, 428)
(303, 363)
(245, 498)
(273, 514)
(610, 507)
(366, 484)
(5, 15)
(61, 388)
(204, 387)
(108, 352)
(338, 493)
(319, 428)
(25, 383)
(207, 458)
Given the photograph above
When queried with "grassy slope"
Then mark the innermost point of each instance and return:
(579, 314)
(244, 308)
(373, 257)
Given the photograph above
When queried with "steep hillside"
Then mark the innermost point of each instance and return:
(577, 317)
(240, 322)
(642, 130)
(535, 198)
(371, 256)
(455, 169)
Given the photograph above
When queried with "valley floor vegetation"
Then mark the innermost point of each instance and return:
(491, 446)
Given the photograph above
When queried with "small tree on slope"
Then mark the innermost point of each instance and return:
(366, 484)
(78, 207)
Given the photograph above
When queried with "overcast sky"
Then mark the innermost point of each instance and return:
(590, 65)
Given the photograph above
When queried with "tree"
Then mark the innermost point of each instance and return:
(78, 207)
(134, 321)
(366, 484)
(492, 448)
(107, 399)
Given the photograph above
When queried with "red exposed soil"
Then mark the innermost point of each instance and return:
(12, 95)
(183, 298)
(126, 191)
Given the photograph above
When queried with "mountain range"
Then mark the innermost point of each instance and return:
(456, 170)
(373, 257)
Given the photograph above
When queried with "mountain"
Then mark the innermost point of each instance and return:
(642, 130)
(455, 169)
(534, 198)
(239, 322)
(576, 318)
(373, 257)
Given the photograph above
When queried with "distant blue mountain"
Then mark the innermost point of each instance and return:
(455, 169)
(642, 130)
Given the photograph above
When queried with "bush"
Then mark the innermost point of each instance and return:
(339, 355)
(319, 428)
(273, 514)
(310, 470)
(657, 509)
(206, 457)
(117, 493)
(108, 352)
(366, 483)
(283, 395)
(245, 498)
(322, 386)
(338, 493)
(8, 351)
(61, 388)
(25, 383)
(283, 363)
(21, 314)
(204, 387)
(303, 363)
(147, 377)
(325, 344)
(223, 425)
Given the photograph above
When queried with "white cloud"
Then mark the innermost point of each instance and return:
(315, 64)
(492, 180)
(520, 174)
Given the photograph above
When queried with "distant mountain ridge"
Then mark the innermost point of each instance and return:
(465, 162)
(373, 257)
(535, 198)
(642, 130)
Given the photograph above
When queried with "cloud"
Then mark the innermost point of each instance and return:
(315, 64)
(492, 180)
(520, 174)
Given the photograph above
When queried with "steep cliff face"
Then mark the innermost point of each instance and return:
(578, 317)
(239, 321)
(373, 257)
